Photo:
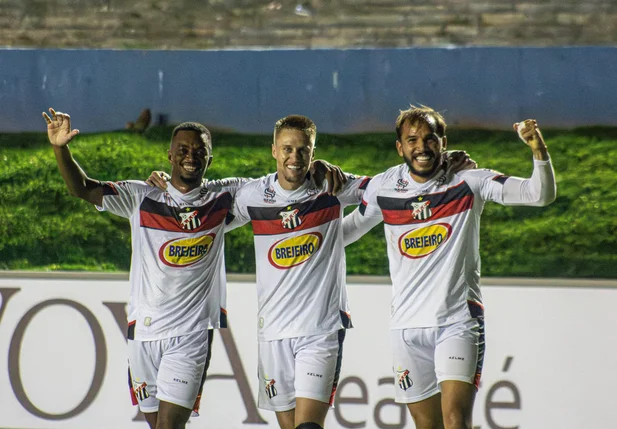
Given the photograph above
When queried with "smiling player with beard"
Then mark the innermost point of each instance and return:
(432, 221)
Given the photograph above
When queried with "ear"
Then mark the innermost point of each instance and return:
(169, 156)
(209, 162)
(399, 148)
(444, 143)
(273, 150)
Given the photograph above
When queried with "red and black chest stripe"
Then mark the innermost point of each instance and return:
(429, 207)
(296, 217)
(159, 215)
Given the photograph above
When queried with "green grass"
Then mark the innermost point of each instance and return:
(43, 228)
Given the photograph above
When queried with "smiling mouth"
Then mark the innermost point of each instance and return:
(295, 168)
(424, 159)
(191, 168)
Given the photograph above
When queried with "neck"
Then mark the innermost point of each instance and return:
(183, 186)
(423, 179)
(420, 179)
(288, 186)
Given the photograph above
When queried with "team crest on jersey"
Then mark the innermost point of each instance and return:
(189, 220)
(420, 210)
(269, 195)
(401, 185)
(140, 390)
(293, 251)
(184, 252)
(404, 381)
(421, 242)
(270, 389)
(290, 218)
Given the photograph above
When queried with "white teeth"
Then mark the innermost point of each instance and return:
(293, 167)
(190, 168)
(423, 158)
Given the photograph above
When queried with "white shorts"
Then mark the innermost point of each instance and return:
(171, 370)
(304, 367)
(424, 357)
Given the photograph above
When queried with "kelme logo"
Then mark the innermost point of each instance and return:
(420, 242)
(293, 251)
(184, 252)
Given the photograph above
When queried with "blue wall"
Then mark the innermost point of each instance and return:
(342, 90)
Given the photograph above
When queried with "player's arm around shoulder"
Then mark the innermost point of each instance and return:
(352, 190)
(228, 184)
(366, 216)
(238, 216)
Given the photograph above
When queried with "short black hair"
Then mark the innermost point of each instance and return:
(204, 133)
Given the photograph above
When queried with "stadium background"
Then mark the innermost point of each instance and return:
(485, 64)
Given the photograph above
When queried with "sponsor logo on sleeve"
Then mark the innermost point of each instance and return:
(294, 251)
(184, 252)
(421, 242)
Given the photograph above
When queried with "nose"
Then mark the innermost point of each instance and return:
(421, 145)
(191, 154)
(294, 155)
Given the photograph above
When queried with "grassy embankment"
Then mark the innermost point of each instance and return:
(43, 228)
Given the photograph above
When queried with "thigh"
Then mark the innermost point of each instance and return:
(318, 366)
(144, 362)
(413, 352)
(182, 369)
(172, 416)
(276, 372)
(459, 352)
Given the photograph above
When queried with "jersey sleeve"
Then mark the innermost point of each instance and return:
(368, 205)
(353, 190)
(366, 216)
(124, 198)
(239, 215)
(490, 185)
(229, 184)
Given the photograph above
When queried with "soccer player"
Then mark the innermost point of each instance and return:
(177, 269)
(302, 302)
(177, 273)
(432, 222)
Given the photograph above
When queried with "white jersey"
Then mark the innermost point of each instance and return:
(177, 265)
(300, 255)
(432, 235)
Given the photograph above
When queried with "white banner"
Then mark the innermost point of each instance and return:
(550, 360)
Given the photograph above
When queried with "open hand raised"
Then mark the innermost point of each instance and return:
(59, 128)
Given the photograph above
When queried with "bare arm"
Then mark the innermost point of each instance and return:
(78, 183)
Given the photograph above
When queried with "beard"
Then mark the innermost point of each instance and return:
(425, 173)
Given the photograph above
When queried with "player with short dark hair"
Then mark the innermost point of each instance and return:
(177, 273)
(432, 222)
